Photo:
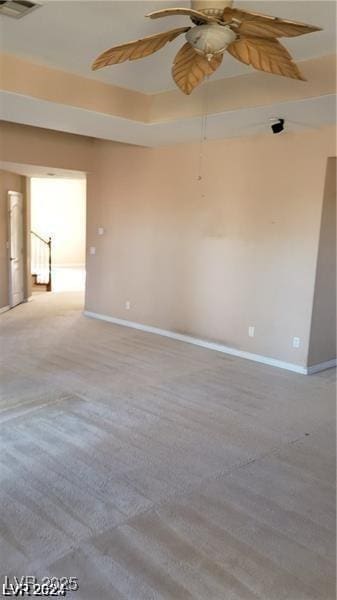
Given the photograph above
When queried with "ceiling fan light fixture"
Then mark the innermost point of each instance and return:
(210, 39)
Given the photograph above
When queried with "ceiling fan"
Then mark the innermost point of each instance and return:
(217, 27)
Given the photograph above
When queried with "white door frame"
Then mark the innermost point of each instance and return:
(20, 296)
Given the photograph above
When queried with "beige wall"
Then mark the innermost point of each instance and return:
(15, 183)
(252, 89)
(24, 77)
(21, 76)
(245, 254)
(35, 146)
(323, 327)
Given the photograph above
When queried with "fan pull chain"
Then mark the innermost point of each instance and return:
(203, 137)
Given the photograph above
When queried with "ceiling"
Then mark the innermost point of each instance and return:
(299, 115)
(69, 34)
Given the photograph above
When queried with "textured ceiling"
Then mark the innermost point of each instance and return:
(69, 35)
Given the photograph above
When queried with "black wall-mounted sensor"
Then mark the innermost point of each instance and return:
(277, 126)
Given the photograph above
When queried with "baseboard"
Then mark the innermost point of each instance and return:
(328, 364)
(29, 299)
(4, 309)
(266, 360)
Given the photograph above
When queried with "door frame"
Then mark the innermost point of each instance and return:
(11, 303)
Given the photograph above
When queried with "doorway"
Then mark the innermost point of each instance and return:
(58, 222)
(15, 247)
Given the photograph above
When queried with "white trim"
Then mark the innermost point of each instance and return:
(10, 195)
(29, 299)
(328, 364)
(273, 362)
(4, 309)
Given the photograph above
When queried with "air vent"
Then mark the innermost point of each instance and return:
(16, 8)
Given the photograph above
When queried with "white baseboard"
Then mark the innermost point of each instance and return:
(4, 309)
(328, 364)
(266, 360)
(28, 299)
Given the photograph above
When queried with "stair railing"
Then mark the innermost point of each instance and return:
(41, 250)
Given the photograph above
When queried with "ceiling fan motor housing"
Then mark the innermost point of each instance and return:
(212, 8)
(210, 39)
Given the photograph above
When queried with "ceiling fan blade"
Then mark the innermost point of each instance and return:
(189, 12)
(265, 55)
(259, 25)
(137, 49)
(275, 29)
(190, 68)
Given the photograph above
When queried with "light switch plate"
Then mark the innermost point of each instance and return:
(100, 230)
(296, 342)
(92, 250)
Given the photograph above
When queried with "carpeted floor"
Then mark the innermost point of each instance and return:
(152, 469)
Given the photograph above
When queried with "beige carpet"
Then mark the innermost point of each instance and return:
(152, 469)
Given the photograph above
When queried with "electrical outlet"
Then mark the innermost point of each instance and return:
(251, 331)
(92, 250)
(296, 342)
(100, 231)
(128, 305)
